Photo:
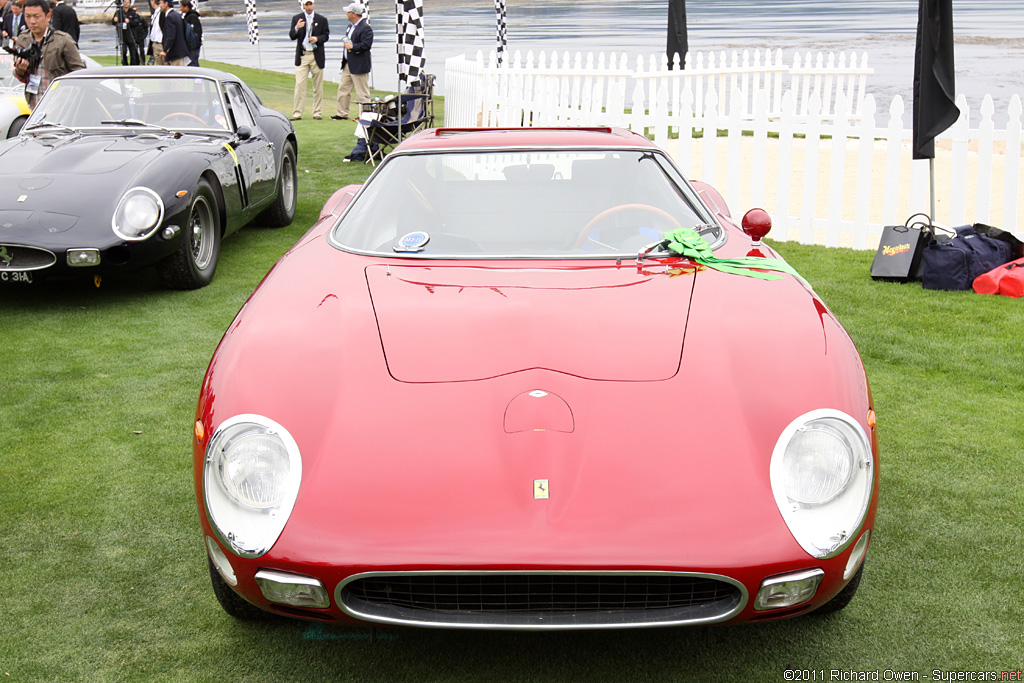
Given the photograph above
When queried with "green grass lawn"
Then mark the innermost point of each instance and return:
(103, 572)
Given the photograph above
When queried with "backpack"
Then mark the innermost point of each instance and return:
(191, 39)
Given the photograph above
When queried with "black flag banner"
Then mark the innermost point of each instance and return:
(935, 107)
(411, 61)
(250, 20)
(499, 11)
(677, 43)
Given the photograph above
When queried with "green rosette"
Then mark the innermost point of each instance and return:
(688, 242)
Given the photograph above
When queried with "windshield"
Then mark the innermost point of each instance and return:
(519, 204)
(175, 103)
(9, 85)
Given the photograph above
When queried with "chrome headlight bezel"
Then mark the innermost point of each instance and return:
(138, 215)
(252, 471)
(822, 478)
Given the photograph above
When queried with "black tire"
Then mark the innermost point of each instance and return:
(16, 126)
(232, 602)
(844, 596)
(282, 212)
(194, 264)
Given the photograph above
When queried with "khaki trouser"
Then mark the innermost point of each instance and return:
(157, 59)
(361, 83)
(306, 67)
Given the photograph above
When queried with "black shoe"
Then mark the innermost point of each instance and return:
(339, 118)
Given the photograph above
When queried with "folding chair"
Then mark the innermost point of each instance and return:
(399, 116)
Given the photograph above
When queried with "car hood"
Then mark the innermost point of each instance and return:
(452, 324)
(56, 156)
(652, 473)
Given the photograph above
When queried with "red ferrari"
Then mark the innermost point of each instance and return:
(534, 379)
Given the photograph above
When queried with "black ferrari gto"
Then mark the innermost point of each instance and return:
(128, 167)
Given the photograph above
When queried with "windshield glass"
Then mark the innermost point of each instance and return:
(9, 85)
(177, 103)
(517, 204)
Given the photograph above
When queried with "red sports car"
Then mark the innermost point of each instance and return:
(534, 379)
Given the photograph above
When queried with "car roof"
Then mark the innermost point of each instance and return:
(463, 138)
(143, 71)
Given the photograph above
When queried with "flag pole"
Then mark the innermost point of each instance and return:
(931, 192)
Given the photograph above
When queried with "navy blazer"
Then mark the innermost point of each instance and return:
(358, 58)
(174, 35)
(14, 24)
(321, 31)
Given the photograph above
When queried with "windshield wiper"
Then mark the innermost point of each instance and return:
(138, 122)
(660, 244)
(47, 124)
(663, 243)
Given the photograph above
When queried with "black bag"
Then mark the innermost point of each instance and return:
(191, 39)
(955, 263)
(898, 258)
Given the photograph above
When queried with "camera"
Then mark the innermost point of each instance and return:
(31, 54)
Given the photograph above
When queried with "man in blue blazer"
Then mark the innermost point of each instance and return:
(309, 31)
(175, 51)
(355, 60)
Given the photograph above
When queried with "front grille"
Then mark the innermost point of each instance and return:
(541, 600)
(15, 257)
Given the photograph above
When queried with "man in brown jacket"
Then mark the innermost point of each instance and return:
(55, 52)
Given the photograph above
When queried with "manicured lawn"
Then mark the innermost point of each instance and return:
(103, 574)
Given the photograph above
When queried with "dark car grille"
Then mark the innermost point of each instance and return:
(13, 257)
(540, 600)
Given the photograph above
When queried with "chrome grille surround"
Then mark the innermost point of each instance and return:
(18, 257)
(540, 600)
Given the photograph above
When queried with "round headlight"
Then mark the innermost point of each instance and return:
(822, 479)
(251, 479)
(818, 464)
(138, 214)
(254, 470)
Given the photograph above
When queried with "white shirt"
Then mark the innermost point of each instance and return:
(155, 33)
(306, 45)
(348, 38)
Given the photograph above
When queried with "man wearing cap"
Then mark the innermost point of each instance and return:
(355, 60)
(174, 51)
(309, 31)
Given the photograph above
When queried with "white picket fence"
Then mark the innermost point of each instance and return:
(482, 92)
(808, 147)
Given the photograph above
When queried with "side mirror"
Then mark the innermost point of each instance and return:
(756, 223)
(244, 132)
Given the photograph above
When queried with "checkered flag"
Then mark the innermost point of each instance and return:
(250, 20)
(499, 10)
(411, 63)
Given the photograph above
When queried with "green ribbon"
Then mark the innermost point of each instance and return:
(689, 243)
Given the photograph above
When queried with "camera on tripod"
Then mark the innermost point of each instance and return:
(32, 54)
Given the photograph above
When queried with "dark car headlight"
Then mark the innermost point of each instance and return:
(138, 214)
(251, 479)
(822, 479)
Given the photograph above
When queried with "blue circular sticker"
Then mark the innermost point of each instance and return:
(413, 241)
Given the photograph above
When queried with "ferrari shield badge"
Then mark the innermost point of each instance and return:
(540, 489)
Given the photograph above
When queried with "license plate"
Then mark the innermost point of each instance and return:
(17, 276)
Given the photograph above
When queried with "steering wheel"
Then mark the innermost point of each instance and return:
(585, 233)
(184, 114)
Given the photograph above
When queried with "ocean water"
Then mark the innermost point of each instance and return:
(989, 35)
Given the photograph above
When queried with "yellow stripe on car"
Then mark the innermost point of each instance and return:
(231, 151)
